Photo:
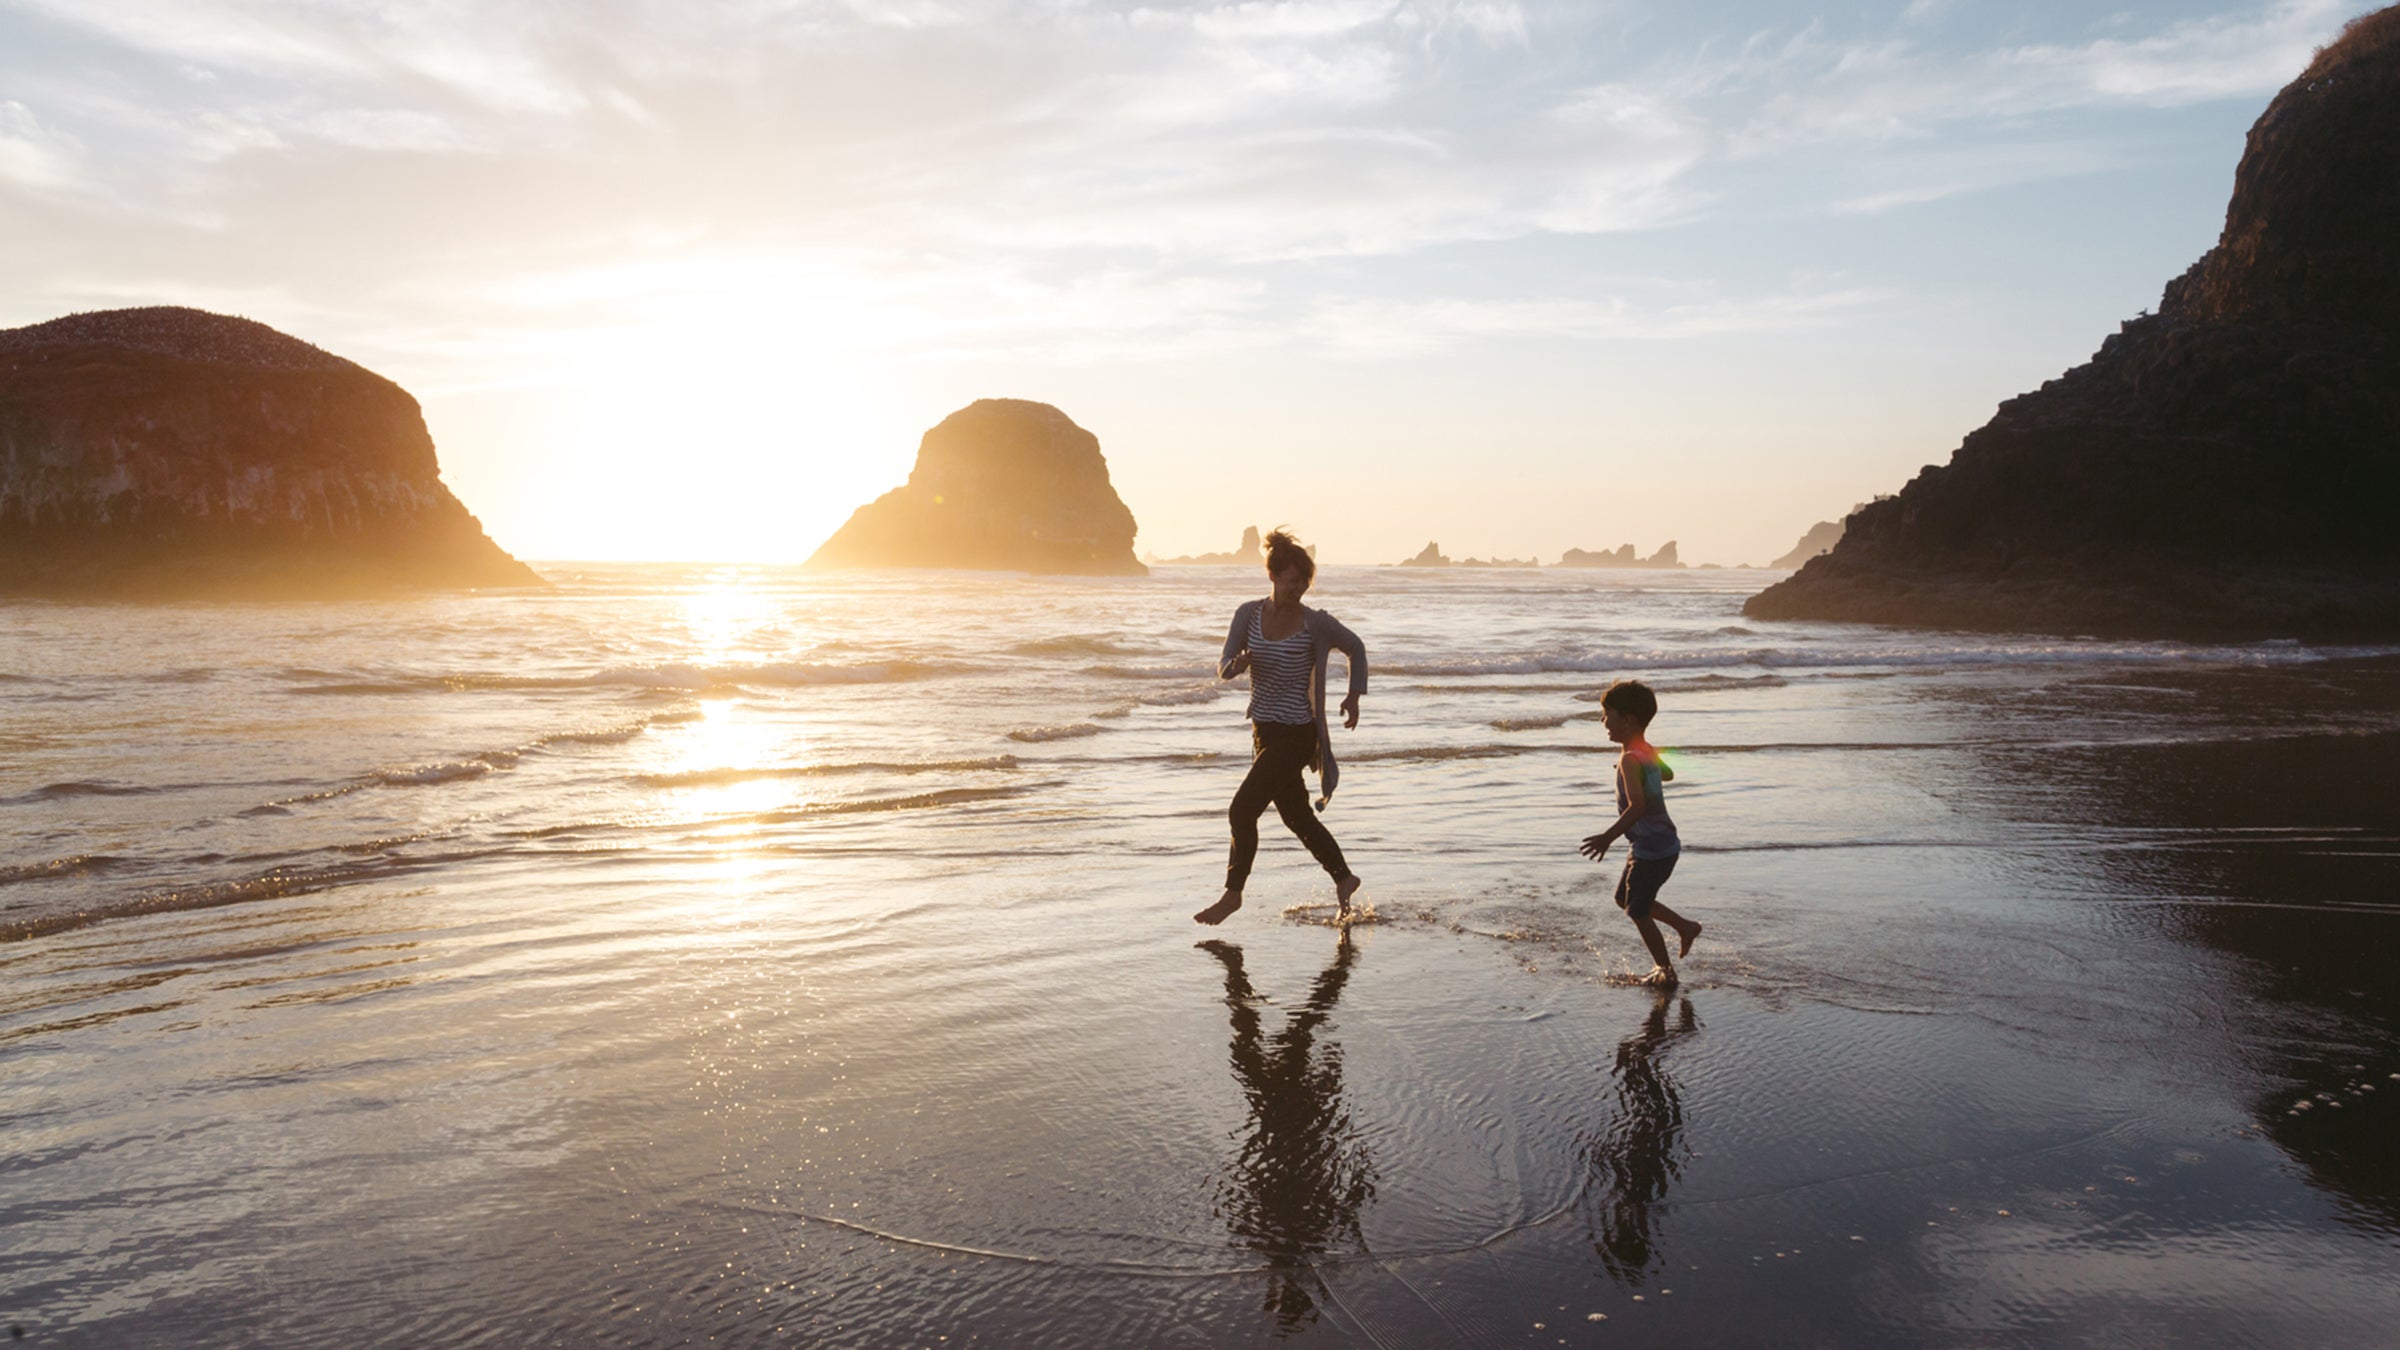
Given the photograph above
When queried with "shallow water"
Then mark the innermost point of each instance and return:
(737, 956)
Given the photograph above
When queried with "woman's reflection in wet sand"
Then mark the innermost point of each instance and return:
(1640, 1154)
(1297, 1186)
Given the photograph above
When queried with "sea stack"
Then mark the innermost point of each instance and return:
(173, 453)
(1002, 484)
(2226, 468)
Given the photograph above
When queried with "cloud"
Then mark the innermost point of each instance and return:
(33, 156)
(1885, 88)
(1079, 179)
(1380, 328)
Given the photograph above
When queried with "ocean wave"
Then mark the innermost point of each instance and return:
(1206, 693)
(1778, 747)
(428, 775)
(725, 776)
(1703, 683)
(79, 865)
(56, 791)
(674, 675)
(475, 765)
(1830, 656)
(918, 801)
(915, 801)
(777, 674)
(1186, 670)
(1444, 752)
(1074, 646)
(270, 885)
(1072, 731)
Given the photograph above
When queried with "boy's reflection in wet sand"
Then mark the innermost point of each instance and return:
(1302, 1176)
(1640, 1154)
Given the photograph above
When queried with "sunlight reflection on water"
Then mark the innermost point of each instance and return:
(758, 978)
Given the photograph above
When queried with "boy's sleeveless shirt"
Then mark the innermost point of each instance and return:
(1652, 836)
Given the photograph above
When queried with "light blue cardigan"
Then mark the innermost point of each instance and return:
(1326, 635)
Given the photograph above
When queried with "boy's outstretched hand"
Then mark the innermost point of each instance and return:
(1595, 846)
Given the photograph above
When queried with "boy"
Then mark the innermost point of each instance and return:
(1626, 710)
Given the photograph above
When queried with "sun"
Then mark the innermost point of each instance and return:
(709, 415)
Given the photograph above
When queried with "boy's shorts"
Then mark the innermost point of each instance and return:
(1638, 887)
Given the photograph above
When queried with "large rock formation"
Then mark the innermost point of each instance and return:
(1001, 485)
(2228, 467)
(170, 452)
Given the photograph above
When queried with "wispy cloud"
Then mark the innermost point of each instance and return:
(1888, 87)
(31, 155)
(1085, 177)
(1378, 328)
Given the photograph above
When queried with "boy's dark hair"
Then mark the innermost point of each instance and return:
(1632, 698)
(1284, 551)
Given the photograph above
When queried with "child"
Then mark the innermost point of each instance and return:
(1626, 710)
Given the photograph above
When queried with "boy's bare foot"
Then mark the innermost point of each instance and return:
(1215, 914)
(1689, 931)
(1343, 890)
(1660, 977)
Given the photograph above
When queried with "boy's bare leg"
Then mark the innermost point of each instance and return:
(1226, 904)
(1343, 890)
(1663, 970)
(1684, 928)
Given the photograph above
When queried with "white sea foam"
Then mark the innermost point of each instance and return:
(1068, 732)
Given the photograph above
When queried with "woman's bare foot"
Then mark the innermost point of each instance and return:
(1689, 931)
(1343, 890)
(1659, 977)
(1215, 914)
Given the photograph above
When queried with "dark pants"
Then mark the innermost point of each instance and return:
(1279, 753)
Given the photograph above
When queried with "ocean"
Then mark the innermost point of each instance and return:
(748, 956)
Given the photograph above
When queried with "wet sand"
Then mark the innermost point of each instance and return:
(2040, 1029)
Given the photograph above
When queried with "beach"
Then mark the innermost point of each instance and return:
(744, 956)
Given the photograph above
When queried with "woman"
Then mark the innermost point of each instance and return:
(1284, 645)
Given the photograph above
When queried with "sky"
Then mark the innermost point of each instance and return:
(676, 279)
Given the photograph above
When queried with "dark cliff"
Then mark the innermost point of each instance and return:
(168, 452)
(2228, 467)
(1002, 484)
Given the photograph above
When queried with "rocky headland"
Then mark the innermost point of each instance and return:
(1621, 556)
(170, 453)
(1002, 484)
(1821, 538)
(2228, 467)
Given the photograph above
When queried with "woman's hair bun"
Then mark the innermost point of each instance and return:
(1284, 551)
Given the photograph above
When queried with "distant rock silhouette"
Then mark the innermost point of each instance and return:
(1248, 555)
(1002, 484)
(1432, 556)
(2228, 467)
(1621, 556)
(1821, 538)
(170, 452)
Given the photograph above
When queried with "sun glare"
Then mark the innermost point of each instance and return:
(730, 431)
